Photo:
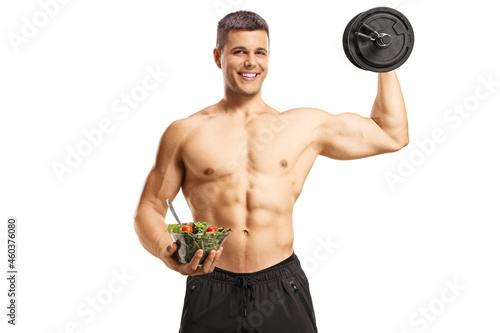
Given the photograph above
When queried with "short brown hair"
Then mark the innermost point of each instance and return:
(240, 20)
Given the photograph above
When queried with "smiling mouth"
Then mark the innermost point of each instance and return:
(248, 75)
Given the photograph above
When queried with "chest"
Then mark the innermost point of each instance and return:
(268, 145)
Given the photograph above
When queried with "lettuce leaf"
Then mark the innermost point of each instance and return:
(199, 229)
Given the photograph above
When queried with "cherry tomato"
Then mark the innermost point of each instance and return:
(211, 229)
(187, 228)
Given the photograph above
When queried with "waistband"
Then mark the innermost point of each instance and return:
(283, 269)
(247, 281)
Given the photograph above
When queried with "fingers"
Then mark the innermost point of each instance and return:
(169, 259)
(207, 265)
(192, 267)
(172, 248)
(169, 252)
(211, 261)
(193, 264)
(217, 255)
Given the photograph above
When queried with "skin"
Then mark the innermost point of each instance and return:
(242, 164)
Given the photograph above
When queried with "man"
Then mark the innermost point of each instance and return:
(242, 164)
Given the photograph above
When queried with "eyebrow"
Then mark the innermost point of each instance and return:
(244, 48)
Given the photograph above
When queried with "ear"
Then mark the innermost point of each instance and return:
(217, 57)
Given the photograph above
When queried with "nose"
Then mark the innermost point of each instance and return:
(250, 61)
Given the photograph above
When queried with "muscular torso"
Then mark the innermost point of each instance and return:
(245, 173)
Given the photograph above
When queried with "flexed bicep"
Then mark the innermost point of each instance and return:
(350, 136)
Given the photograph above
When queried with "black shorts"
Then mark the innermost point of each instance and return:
(274, 300)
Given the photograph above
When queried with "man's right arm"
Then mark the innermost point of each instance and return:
(164, 182)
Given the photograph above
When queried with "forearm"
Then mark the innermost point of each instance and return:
(150, 227)
(389, 110)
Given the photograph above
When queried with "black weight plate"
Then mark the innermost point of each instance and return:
(366, 53)
(345, 42)
(375, 58)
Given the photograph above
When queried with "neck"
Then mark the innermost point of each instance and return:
(237, 103)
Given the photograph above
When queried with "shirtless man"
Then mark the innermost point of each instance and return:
(242, 164)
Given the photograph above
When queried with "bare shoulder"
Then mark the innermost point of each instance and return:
(179, 129)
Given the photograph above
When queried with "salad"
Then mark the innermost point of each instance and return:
(192, 236)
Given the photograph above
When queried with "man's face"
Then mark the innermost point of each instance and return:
(244, 61)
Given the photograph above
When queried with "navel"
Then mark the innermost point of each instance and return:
(283, 163)
(208, 171)
(245, 232)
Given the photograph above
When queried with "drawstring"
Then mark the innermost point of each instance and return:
(246, 284)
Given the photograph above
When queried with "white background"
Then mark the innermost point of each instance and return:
(395, 247)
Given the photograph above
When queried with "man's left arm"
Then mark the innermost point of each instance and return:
(350, 136)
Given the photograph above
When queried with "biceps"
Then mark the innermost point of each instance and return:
(162, 184)
(350, 136)
(166, 176)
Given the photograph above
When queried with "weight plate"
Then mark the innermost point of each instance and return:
(379, 40)
(345, 42)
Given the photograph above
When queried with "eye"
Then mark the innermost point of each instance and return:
(239, 52)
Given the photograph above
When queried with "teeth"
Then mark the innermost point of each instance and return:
(249, 75)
